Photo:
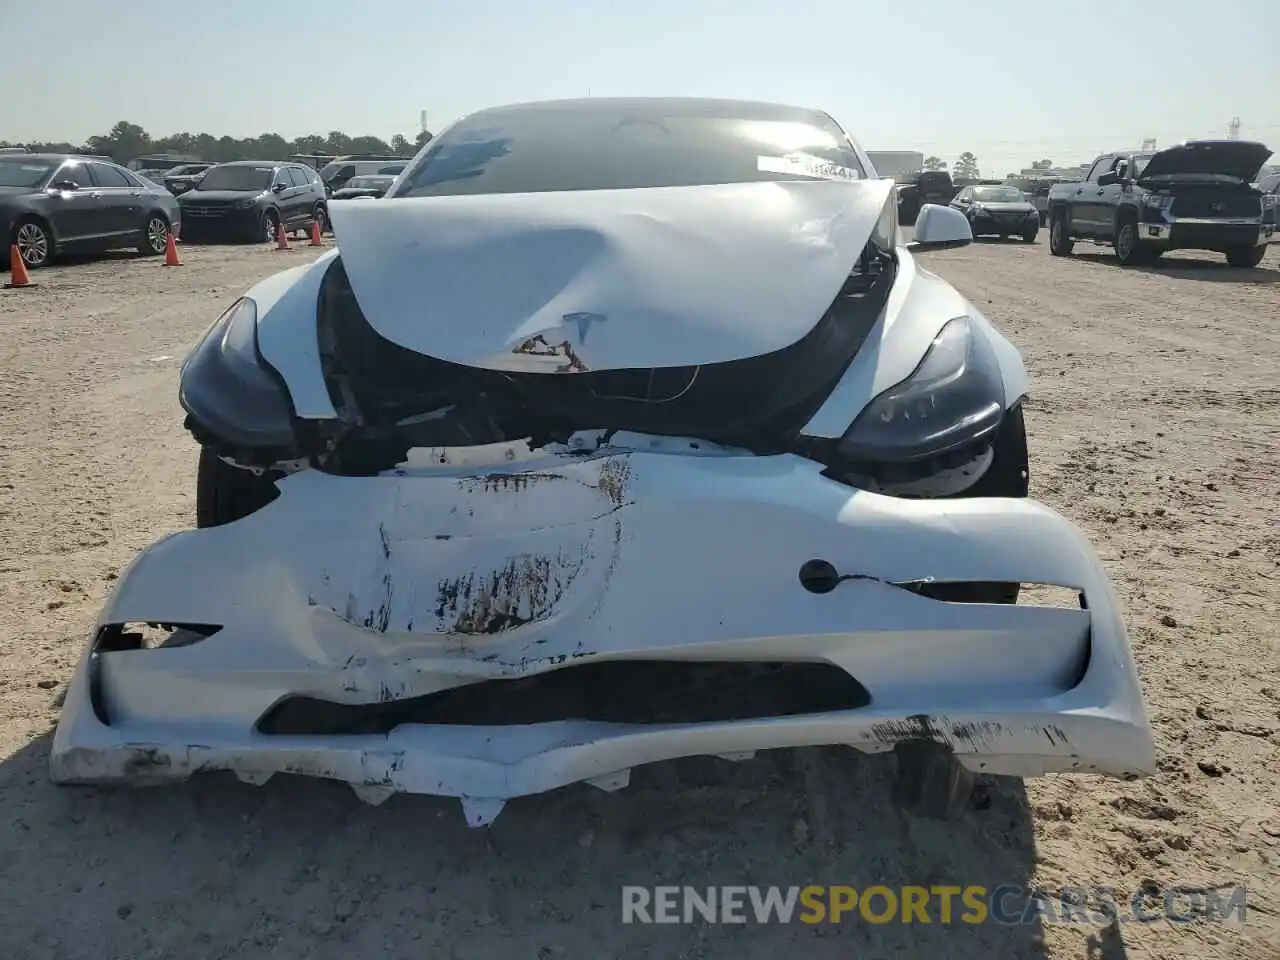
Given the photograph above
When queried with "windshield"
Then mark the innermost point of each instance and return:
(998, 194)
(23, 173)
(247, 179)
(368, 183)
(598, 145)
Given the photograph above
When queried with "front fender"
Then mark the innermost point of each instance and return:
(918, 306)
(287, 336)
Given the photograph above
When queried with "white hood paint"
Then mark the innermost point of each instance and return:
(611, 279)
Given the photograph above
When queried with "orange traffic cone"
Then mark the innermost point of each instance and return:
(18, 276)
(315, 235)
(171, 252)
(282, 237)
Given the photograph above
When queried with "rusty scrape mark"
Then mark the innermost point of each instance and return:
(144, 760)
(615, 477)
(504, 482)
(523, 591)
(539, 347)
(923, 727)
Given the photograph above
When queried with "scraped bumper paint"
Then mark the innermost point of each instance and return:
(379, 589)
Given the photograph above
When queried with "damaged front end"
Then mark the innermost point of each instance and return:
(518, 563)
(498, 634)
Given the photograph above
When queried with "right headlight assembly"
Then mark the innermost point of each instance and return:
(954, 398)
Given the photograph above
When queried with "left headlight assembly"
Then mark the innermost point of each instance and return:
(228, 390)
(954, 398)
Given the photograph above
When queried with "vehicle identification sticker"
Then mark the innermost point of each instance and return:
(807, 165)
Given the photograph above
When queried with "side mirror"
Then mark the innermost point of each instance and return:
(940, 228)
(61, 185)
(1107, 179)
(277, 187)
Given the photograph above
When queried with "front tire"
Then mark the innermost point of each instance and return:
(1060, 242)
(1029, 235)
(270, 225)
(34, 242)
(1246, 257)
(155, 236)
(225, 493)
(1129, 251)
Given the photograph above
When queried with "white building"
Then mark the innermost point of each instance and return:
(897, 163)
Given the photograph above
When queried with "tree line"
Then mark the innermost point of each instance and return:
(127, 141)
(966, 165)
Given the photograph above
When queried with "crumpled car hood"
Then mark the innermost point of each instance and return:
(646, 278)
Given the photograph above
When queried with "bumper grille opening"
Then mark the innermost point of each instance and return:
(978, 591)
(630, 692)
(118, 637)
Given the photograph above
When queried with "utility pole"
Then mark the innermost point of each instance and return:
(1233, 131)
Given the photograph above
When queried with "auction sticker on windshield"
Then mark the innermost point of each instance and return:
(806, 165)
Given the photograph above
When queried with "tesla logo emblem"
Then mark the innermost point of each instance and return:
(1217, 207)
(583, 321)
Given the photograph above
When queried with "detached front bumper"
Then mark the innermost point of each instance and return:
(369, 594)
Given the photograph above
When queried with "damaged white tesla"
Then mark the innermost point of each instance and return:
(618, 431)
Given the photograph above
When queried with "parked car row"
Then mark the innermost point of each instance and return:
(52, 204)
(338, 173)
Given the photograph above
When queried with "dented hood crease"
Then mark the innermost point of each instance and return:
(612, 279)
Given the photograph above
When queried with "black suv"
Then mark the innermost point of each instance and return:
(252, 200)
(929, 186)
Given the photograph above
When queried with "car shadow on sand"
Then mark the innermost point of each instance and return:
(215, 867)
(1185, 268)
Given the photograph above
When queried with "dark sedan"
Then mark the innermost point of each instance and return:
(56, 203)
(253, 200)
(1001, 211)
(180, 179)
(373, 186)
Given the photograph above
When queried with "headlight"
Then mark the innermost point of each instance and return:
(954, 397)
(246, 204)
(1157, 201)
(228, 389)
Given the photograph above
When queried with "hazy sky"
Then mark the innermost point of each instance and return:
(1012, 82)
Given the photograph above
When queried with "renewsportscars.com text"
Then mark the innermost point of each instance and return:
(942, 904)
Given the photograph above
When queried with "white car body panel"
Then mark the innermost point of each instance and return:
(346, 589)
(659, 277)
(287, 334)
(919, 306)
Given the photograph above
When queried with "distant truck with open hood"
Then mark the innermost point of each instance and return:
(1195, 195)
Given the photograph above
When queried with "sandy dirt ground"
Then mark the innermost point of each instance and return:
(1155, 424)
